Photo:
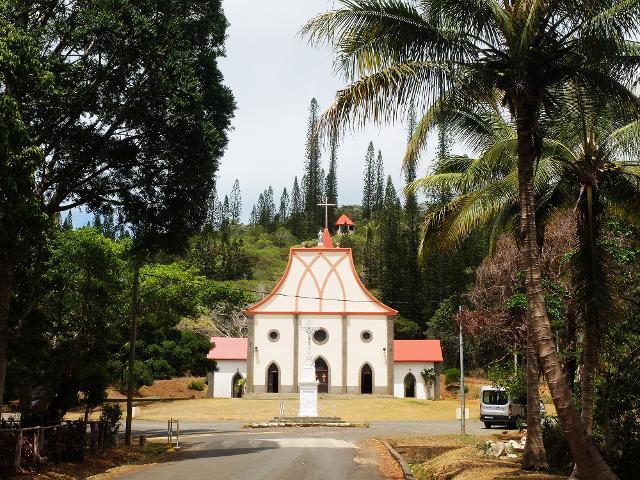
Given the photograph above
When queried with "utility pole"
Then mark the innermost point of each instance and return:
(463, 428)
(135, 298)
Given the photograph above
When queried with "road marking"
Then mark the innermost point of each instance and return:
(310, 442)
(199, 435)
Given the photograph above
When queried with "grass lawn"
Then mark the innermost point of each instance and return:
(354, 409)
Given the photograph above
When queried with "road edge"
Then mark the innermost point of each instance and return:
(406, 469)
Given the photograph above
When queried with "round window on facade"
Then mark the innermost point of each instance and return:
(366, 336)
(273, 335)
(320, 336)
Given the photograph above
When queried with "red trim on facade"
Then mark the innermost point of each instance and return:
(292, 253)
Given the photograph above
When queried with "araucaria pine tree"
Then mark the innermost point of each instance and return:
(235, 203)
(391, 279)
(368, 192)
(331, 182)
(379, 185)
(225, 213)
(296, 216)
(313, 172)
(283, 211)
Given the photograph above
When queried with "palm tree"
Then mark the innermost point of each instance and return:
(394, 52)
(588, 162)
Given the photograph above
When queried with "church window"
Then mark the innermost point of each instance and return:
(274, 335)
(320, 336)
(366, 336)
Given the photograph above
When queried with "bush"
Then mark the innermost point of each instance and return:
(196, 385)
(451, 376)
(111, 416)
(556, 446)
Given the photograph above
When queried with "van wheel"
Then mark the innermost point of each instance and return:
(511, 425)
(487, 424)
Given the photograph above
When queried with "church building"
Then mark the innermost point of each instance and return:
(352, 345)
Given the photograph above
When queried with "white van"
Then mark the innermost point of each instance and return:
(496, 408)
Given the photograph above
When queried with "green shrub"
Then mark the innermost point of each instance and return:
(196, 385)
(556, 446)
(451, 376)
(111, 416)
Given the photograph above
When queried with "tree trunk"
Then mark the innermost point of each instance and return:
(588, 460)
(6, 292)
(132, 348)
(534, 457)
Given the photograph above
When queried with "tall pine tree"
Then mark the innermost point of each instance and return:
(313, 187)
(331, 182)
(368, 192)
(235, 203)
(391, 278)
(297, 211)
(379, 185)
(283, 211)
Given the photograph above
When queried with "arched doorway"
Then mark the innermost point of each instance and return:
(322, 375)
(236, 390)
(409, 386)
(273, 374)
(366, 379)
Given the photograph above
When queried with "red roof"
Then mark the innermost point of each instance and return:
(227, 348)
(344, 220)
(417, 351)
(326, 239)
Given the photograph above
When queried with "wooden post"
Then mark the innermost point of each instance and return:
(17, 458)
(58, 449)
(94, 438)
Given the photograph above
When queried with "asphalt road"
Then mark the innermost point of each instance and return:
(226, 450)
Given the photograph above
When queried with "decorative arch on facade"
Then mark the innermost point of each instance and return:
(409, 385)
(323, 373)
(235, 393)
(272, 378)
(366, 379)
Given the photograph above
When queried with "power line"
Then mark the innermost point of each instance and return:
(398, 302)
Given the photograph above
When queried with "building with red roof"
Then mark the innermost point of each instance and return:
(350, 340)
(344, 225)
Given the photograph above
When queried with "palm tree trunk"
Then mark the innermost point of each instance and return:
(588, 460)
(589, 361)
(534, 457)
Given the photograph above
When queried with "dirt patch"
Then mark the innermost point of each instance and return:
(120, 459)
(173, 388)
(454, 457)
(374, 450)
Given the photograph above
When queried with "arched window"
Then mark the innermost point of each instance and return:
(322, 375)
(366, 379)
(273, 374)
(236, 390)
(409, 386)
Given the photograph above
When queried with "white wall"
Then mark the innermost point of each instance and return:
(280, 351)
(222, 379)
(401, 369)
(359, 352)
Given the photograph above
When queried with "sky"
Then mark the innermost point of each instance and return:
(274, 74)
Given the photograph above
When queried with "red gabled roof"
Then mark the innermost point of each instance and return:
(344, 220)
(326, 239)
(227, 348)
(417, 351)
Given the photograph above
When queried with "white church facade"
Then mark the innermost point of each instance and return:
(352, 346)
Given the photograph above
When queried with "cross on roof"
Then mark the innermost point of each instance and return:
(326, 206)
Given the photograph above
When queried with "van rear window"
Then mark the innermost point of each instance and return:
(495, 397)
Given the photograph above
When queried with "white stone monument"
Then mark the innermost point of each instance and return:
(308, 385)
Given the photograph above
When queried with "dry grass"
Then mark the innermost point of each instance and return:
(348, 408)
(454, 457)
